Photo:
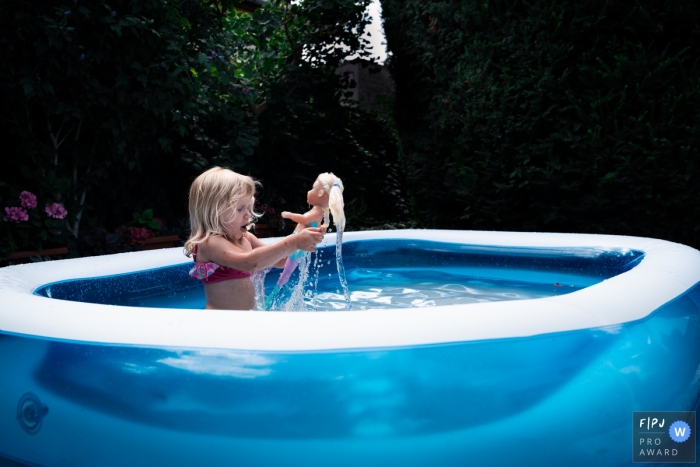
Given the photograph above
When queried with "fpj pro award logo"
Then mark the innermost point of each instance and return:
(663, 437)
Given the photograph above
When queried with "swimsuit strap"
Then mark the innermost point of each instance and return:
(212, 273)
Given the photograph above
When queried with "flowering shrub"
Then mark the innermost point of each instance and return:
(27, 227)
(16, 215)
(141, 228)
(27, 200)
(146, 220)
(98, 241)
(55, 210)
(139, 234)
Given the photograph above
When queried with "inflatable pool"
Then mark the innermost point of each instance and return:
(95, 370)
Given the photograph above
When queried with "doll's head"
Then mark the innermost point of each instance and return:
(334, 187)
(211, 194)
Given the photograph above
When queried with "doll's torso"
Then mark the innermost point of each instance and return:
(315, 214)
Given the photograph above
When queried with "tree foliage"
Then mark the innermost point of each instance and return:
(551, 115)
(126, 101)
(93, 86)
(305, 125)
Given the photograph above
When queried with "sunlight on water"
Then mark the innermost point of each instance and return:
(404, 288)
(424, 288)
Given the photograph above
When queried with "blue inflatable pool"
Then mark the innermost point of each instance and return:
(97, 370)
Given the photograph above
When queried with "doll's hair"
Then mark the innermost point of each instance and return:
(211, 194)
(334, 187)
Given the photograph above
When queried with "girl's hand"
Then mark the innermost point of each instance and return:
(308, 238)
(285, 214)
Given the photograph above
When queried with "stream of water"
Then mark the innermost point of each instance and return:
(304, 291)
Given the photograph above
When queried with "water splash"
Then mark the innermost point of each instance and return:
(296, 299)
(258, 278)
(312, 294)
(303, 295)
(341, 268)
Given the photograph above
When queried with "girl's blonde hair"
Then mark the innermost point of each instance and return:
(212, 193)
(334, 187)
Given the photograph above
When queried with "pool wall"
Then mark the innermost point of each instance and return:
(538, 382)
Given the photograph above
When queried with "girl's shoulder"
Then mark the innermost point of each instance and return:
(213, 246)
(219, 242)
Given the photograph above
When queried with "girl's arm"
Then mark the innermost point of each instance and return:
(222, 252)
(256, 243)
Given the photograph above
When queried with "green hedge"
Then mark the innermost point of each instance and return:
(93, 91)
(550, 115)
(112, 107)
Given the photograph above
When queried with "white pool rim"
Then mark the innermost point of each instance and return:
(666, 272)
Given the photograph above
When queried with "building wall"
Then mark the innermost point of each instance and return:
(368, 85)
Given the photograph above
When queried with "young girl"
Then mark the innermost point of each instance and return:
(224, 251)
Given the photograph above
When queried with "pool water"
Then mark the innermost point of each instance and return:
(381, 274)
(388, 288)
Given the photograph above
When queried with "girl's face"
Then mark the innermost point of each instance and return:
(237, 218)
(317, 196)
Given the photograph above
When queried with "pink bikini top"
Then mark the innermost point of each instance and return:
(211, 273)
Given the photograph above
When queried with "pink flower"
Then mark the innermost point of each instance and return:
(16, 214)
(55, 210)
(27, 200)
(271, 210)
(139, 234)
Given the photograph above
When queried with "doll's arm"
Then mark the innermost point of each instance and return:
(314, 215)
(298, 218)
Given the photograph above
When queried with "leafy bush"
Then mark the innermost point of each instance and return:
(91, 89)
(305, 128)
(32, 218)
(557, 116)
(127, 101)
(98, 241)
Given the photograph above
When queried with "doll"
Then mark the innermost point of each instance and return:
(325, 195)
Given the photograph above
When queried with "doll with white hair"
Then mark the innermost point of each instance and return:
(326, 195)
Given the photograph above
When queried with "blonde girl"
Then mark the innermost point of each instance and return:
(224, 251)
